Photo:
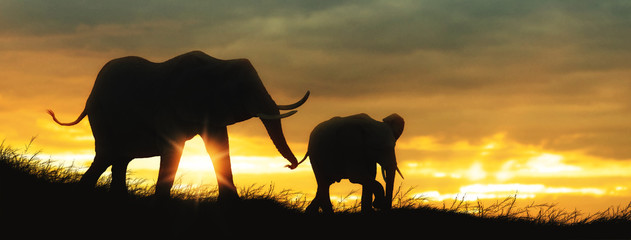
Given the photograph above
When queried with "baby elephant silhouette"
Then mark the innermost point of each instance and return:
(350, 148)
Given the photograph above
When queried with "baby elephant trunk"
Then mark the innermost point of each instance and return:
(388, 176)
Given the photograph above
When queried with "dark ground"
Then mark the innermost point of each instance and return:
(47, 203)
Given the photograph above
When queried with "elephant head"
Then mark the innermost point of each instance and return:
(240, 95)
(389, 166)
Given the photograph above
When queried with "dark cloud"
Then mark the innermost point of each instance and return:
(539, 70)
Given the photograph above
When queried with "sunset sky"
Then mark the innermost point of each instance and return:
(499, 97)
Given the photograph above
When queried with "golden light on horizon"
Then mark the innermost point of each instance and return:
(529, 172)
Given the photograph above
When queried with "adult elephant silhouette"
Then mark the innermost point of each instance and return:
(350, 148)
(139, 108)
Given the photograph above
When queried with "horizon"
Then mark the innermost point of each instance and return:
(499, 97)
(470, 185)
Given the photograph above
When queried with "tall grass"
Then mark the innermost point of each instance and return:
(22, 161)
(16, 161)
(508, 209)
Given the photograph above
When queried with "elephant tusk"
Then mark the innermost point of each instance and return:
(274, 117)
(296, 104)
(399, 171)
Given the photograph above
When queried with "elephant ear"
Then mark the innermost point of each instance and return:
(388, 159)
(396, 124)
(372, 134)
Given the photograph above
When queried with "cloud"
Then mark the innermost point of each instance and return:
(498, 159)
(368, 26)
(548, 73)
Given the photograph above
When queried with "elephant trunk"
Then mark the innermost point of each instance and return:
(275, 132)
(389, 176)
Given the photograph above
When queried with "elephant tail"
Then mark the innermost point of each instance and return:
(83, 114)
(304, 158)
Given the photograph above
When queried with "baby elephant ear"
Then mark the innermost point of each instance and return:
(396, 124)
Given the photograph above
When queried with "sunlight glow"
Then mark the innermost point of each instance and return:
(474, 192)
(550, 163)
(476, 172)
(497, 158)
(195, 161)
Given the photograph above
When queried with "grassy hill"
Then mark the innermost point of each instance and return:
(38, 199)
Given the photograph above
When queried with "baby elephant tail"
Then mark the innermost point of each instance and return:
(52, 114)
(304, 158)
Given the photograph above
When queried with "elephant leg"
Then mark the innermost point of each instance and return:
(313, 206)
(325, 201)
(91, 176)
(169, 162)
(119, 177)
(380, 196)
(316, 203)
(321, 200)
(216, 141)
(366, 202)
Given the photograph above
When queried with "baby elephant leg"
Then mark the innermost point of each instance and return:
(321, 200)
(369, 188)
(380, 196)
(366, 204)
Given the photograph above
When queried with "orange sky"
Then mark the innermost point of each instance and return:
(498, 96)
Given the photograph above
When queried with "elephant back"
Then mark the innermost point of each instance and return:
(368, 132)
(348, 136)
